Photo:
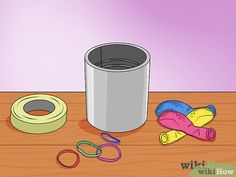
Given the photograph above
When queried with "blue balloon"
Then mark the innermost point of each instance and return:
(179, 106)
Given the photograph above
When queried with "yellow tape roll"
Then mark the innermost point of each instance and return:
(198, 117)
(25, 122)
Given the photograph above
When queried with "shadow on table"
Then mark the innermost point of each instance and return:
(9, 125)
(85, 126)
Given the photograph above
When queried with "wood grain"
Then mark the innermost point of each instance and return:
(77, 111)
(136, 161)
(154, 97)
(30, 155)
(148, 134)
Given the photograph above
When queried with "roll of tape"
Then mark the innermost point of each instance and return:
(23, 121)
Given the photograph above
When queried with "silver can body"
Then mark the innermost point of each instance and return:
(117, 82)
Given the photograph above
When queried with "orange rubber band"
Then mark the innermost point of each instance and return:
(71, 152)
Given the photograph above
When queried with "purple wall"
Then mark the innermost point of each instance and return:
(192, 43)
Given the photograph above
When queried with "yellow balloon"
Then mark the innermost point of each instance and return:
(199, 117)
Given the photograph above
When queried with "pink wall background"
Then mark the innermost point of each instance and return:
(192, 43)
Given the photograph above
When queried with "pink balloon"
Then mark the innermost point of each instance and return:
(177, 121)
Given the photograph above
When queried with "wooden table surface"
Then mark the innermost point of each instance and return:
(27, 155)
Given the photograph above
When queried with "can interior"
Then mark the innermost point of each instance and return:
(117, 56)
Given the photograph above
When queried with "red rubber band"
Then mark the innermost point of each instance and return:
(71, 152)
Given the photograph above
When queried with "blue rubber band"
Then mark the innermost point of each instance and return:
(114, 139)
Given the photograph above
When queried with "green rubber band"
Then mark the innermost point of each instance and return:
(91, 144)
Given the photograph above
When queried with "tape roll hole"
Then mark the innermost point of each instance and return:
(39, 107)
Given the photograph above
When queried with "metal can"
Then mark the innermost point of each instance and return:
(117, 83)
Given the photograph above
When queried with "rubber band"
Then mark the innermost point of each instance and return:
(71, 152)
(98, 152)
(114, 139)
(107, 159)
